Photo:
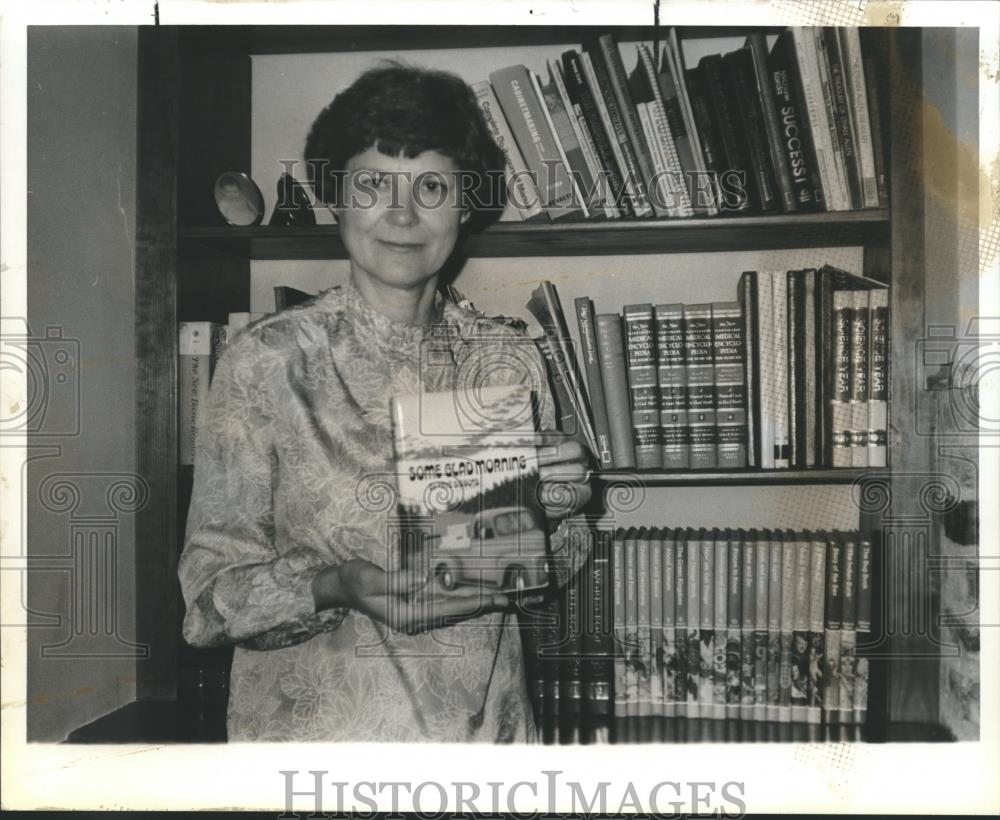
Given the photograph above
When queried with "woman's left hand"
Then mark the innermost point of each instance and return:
(564, 471)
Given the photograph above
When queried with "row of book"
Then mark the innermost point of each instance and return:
(793, 374)
(794, 127)
(755, 626)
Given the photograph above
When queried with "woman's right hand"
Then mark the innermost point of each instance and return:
(404, 600)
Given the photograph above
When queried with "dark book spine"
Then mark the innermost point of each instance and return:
(597, 638)
(796, 136)
(730, 395)
(817, 590)
(832, 630)
(734, 606)
(708, 137)
(794, 399)
(614, 373)
(619, 615)
(841, 113)
(734, 187)
(824, 367)
(585, 318)
(840, 395)
(549, 651)
(740, 75)
(874, 59)
(878, 378)
(679, 656)
(761, 552)
(864, 624)
(580, 94)
(848, 626)
(571, 649)
(774, 580)
(640, 349)
(700, 385)
(747, 295)
(798, 383)
(672, 380)
(787, 625)
(800, 630)
(757, 45)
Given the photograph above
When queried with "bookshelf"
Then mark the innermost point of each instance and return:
(195, 121)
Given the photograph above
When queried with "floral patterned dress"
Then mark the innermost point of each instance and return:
(294, 472)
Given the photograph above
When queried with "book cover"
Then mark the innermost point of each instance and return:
(842, 114)
(734, 182)
(766, 369)
(523, 201)
(800, 628)
(859, 378)
(795, 336)
(611, 348)
(700, 374)
(679, 656)
(198, 346)
(579, 91)
(598, 641)
(640, 350)
(555, 365)
(670, 663)
(857, 102)
(526, 116)
(739, 72)
(747, 615)
(633, 657)
(571, 643)
(756, 44)
(762, 554)
(706, 624)
(878, 378)
(550, 640)
(863, 623)
(874, 58)
(848, 626)
(817, 598)
(779, 335)
(834, 126)
(619, 614)
(720, 625)
(734, 611)
(656, 696)
(644, 661)
(747, 295)
(809, 375)
(467, 487)
(586, 319)
(840, 415)
(672, 381)
(774, 592)
(832, 630)
(708, 137)
(730, 395)
(788, 593)
(692, 548)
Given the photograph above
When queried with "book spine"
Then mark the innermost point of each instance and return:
(765, 370)
(848, 627)
(842, 114)
(873, 46)
(571, 650)
(618, 80)
(656, 695)
(734, 605)
(580, 93)
(549, 658)
(720, 625)
(830, 104)
(616, 397)
(640, 349)
(679, 656)
(619, 612)
(796, 141)
(832, 632)
(730, 395)
(643, 665)
(670, 662)
(709, 139)
(747, 295)
(632, 652)
(779, 294)
(692, 547)
(598, 639)
(672, 380)
(700, 385)
(604, 97)
(706, 624)
(859, 378)
(565, 412)
(585, 318)
(857, 99)
(581, 160)
(527, 119)
(878, 378)
(840, 396)
(734, 191)
(788, 592)
(809, 378)
(800, 630)
(864, 625)
(563, 138)
(761, 550)
(796, 356)
(659, 192)
(774, 627)
(747, 609)
(817, 588)
(741, 76)
(824, 347)
(523, 202)
(757, 42)
(194, 372)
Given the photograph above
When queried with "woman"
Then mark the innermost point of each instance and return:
(286, 554)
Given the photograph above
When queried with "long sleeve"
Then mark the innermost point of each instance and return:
(238, 585)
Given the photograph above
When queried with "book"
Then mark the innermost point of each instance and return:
(766, 369)
(863, 623)
(747, 295)
(523, 201)
(644, 641)
(586, 319)
(672, 383)
(839, 414)
(788, 596)
(555, 365)
(467, 481)
(730, 396)
(739, 73)
(733, 182)
(693, 666)
(611, 349)
(549, 661)
(797, 140)
(680, 654)
(579, 91)
(848, 633)
(842, 114)
(668, 599)
(857, 100)
(834, 606)
(720, 625)
(834, 125)
(286, 297)
(734, 609)
(774, 599)
(656, 695)
(874, 58)
(640, 350)
(598, 643)
(571, 644)
(526, 115)
(800, 629)
(619, 629)
(700, 378)
(779, 337)
(198, 347)
(817, 588)
(762, 554)
(859, 378)
(633, 657)
(239, 320)
(706, 624)
(708, 137)
(747, 615)
(795, 341)
(809, 378)
(756, 45)
(878, 378)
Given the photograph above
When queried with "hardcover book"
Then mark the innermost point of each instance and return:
(640, 349)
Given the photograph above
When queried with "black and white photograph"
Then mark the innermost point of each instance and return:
(500, 406)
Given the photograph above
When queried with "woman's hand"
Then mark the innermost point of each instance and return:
(403, 600)
(564, 472)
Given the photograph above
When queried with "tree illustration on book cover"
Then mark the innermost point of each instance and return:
(467, 473)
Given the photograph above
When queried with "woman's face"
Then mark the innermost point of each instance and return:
(400, 219)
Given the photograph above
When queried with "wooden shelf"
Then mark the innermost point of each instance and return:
(619, 237)
(700, 478)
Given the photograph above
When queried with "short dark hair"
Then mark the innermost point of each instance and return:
(404, 109)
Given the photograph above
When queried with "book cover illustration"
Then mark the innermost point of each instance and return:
(467, 475)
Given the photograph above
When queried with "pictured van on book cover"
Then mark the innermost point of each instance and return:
(467, 473)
